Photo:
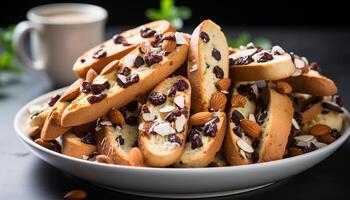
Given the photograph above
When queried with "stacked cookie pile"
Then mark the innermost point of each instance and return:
(155, 97)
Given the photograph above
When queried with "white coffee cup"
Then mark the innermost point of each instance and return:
(59, 33)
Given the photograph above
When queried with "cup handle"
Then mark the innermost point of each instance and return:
(21, 30)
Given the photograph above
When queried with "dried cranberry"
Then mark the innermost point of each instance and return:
(157, 98)
(89, 138)
(53, 100)
(97, 88)
(100, 54)
(181, 85)
(145, 109)
(174, 138)
(245, 60)
(238, 131)
(216, 54)
(264, 57)
(309, 147)
(119, 39)
(314, 66)
(332, 107)
(261, 113)
(210, 129)
(153, 59)
(139, 61)
(132, 106)
(236, 117)
(131, 120)
(125, 71)
(86, 87)
(195, 138)
(219, 73)
(157, 40)
(134, 78)
(147, 32)
(247, 90)
(171, 117)
(82, 60)
(172, 92)
(204, 36)
(335, 133)
(123, 110)
(119, 140)
(170, 37)
(122, 83)
(338, 100)
(96, 98)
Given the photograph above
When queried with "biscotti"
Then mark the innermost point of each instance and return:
(207, 68)
(120, 45)
(134, 75)
(78, 146)
(163, 122)
(117, 135)
(251, 63)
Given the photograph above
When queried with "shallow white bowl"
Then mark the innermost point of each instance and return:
(173, 182)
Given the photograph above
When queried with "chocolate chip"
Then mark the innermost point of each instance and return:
(210, 129)
(153, 59)
(338, 100)
(100, 54)
(219, 73)
(157, 98)
(86, 87)
(247, 90)
(172, 92)
(238, 131)
(139, 61)
(53, 100)
(245, 60)
(314, 66)
(96, 98)
(195, 138)
(82, 60)
(264, 57)
(204, 36)
(335, 133)
(236, 117)
(147, 32)
(181, 85)
(131, 120)
(332, 107)
(174, 138)
(132, 106)
(120, 140)
(89, 139)
(216, 54)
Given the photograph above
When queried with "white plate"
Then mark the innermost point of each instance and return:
(174, 182)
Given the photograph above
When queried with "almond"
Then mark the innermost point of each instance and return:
(238, 100)
(73, 91)
(168, 45)
(200, 118)
(312, 112)
(113, 66)
(34, 132)
(320, 129)
(116, 117)
(104, 159)
(283, 87)
(218, 101)
(223, 84)
(75, 194)
(91, 75)
(251, 128)
(145, 48)
(294, 151)
(328, 138)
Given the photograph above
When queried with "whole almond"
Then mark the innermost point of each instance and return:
(145, 48)
(73, 91)
(251, 128)
(294, 151)
(200, 118)
(310, 113)
(223, 84)
(328, 138)
(112, 66)
(104, 159)
(238, 100)
(320, 129)
(116, 117)
(91, 75)
(218, 101)
(75, 195)
(283, 87)
(168, 45)
(34, 132)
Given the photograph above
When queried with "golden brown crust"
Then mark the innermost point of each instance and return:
(72, 146)
(80, 111)
(116, 52)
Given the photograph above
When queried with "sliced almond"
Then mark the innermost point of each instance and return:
(129, 60)
(326, 138)
(218, 101)
(166, 109)
(294, 151)
(34, 132)
(104, 159)
(73, 91)
(164, 129)
(243, 154)
(148, 117)
(320, 129)
(295, 124)
(91, 75)
(223, 84)
(180, 123)
(180, 39)
(179, 101)
(283, 87)
(194, 68)
(200, 118)
(310, 113)
(304, 138)
(75, 195)
(116, 117)
(168, 45)
(244, 146)
(110, 68)
(251, 128)
(238, 100)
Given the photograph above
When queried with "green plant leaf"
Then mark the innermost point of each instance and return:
(262, 42)
(242, 39)
(184, 12)
(153, 14)
(166, 6)
(176, 22)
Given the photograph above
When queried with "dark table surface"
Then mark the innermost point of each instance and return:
(24, 176)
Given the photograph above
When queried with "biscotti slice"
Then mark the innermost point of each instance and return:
(117, 135)
(37, 116)
(252, 63)
(207, 68)
(307, 79)
(117, 47)
(134, 75)
(78, 146)
(204, 142)
(163, 122)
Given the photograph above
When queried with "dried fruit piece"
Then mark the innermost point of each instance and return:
(238, 100)
(218, 101)
(75, 195)
(116, 117)
(283, 87)
(223, 84)
(200, 118)
(320, 129)
(204, 36)
(251, 128)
